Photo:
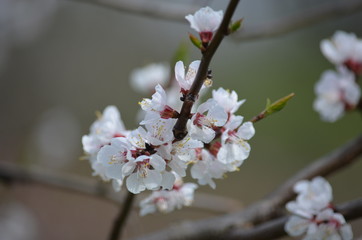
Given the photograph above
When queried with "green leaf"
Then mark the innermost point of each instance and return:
(197, 42)
(235, 25)
(277, 105)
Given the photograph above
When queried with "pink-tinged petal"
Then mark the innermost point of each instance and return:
(153, 180)
(246, 131)
(157, 162)
(134, 184)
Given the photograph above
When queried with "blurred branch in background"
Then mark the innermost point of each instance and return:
(12, 173)
(268, 208)
(304, 18)
(155, 9)
(288, 23)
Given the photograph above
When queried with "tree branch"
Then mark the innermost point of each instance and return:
(12, 173)
(121, 219)
(179, 129)
(308, 17)
(164, 10)
(177, 12)
(265, 209)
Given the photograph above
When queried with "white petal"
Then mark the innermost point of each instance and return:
(168, 180)
(153, 180)
(128, 168)
(246, 131)
(157, 162)
(296, 226)
(135, 184)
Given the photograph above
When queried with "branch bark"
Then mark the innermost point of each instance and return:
(304, 18)
(121, 219)
(265, 209)
(163, 10)
(180, 127)
(12, 173)
(177, 12)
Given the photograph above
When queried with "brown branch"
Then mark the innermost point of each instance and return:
(16, 174)
(165, 9)
(275, 228)
(121, 219)
(177, 12)
(265, 209)
(307, 17)
(179, 129)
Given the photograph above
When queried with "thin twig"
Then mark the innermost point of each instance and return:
(180, 127)
(121, 219)
(15, 174)
(265, 209)
(177, 12)
(164, 10)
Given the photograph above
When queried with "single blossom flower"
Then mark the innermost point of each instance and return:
(206, 168)
(145, 79)
(344, 49)
(143, 173)
(109, 125)
(336, 92)
(205, 21)
(185, 80)
(235, 147)
(113, 157)
(201, 126)
(165, 201)
(157, 108)
(228, 100)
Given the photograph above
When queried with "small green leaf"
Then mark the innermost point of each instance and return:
(235, 25)
(196, 41)
(277, 105)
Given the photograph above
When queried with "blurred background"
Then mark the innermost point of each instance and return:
(60, 61)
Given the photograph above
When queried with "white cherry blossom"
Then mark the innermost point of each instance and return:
(344, 48)
(235, 148)
(205, 21)
(206, 168)
(145, 79)
(201, 126)
(185, 80)
(112, 157)
(336, 92)
(143, 173)
(324, 225)
(108, 126)
(165, 201)
(228, 100)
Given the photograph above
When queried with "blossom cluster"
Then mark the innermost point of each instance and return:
(338, 91)
(150, 157)
(314, 214)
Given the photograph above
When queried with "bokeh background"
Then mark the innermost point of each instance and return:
(60, 61)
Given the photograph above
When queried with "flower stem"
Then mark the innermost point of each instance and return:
(179, 129)
(121, 219)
